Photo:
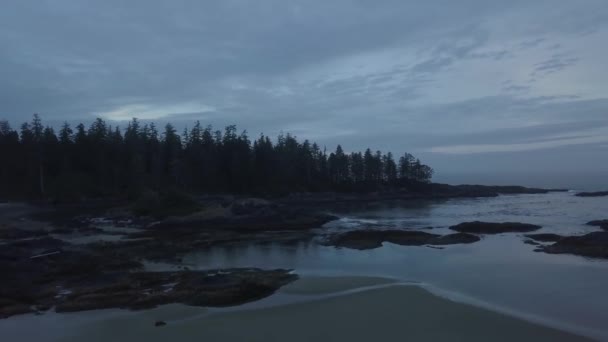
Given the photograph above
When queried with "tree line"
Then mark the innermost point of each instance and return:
(101, 160)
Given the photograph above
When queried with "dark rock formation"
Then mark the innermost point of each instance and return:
(593, 245)
(544, 237)
(599, 223)
(75, 280)
(146, 290)
(370, 239)
(45, 272)
(455, 238)
(414, 191)
(252, 215)
(592, 194)
(10, 308)
(9, 233)
(478, 227)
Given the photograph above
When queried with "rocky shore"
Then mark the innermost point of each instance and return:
(370, 239)
(421, 192)
(91, 256)
(43, 272)
(603, 224)
(592, 194)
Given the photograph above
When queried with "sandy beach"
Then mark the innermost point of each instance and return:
(336, 311)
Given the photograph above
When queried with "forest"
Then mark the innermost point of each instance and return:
(105, 161)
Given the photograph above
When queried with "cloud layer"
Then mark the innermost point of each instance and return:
(440, 78)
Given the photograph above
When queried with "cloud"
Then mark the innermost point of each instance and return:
(539, 145)
(555, 64)
(398, 75)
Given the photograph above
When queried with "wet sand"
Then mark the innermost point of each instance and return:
(313, 285)
(386, 313)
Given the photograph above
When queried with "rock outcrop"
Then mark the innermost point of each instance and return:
(594, 245)
(370, 239)
(477, 227)
(592, 194)
(544, 237)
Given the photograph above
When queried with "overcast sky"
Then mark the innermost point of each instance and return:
(466, 85)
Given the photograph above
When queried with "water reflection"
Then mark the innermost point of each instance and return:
(499, 270)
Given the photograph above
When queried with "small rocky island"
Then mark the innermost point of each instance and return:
(592, 194)
(370, 239)
(603, 224)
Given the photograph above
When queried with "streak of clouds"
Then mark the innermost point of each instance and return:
(439, 78)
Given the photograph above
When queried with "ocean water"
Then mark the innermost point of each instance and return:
(556, 179)
(500, 272)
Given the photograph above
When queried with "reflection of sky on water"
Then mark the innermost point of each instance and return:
(500, 270)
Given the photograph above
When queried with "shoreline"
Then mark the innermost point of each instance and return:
(328, 308)
(501, 307)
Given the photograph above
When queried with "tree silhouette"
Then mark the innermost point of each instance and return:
(103, 161)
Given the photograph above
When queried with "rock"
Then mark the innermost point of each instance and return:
(544, 237)
(435, 247)
(248, 218)
(159, 323)
(409, 238)
(478, 227)
(456, 238)
(15, 309)
(370, 239)
(9, 233)
(357, 239)
(592, 194)
(531, 242)
(603, 224)
(593, 245)
(144, 290)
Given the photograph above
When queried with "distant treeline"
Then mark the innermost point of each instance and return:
(101, 160)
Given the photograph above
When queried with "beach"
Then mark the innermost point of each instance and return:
(322, 309)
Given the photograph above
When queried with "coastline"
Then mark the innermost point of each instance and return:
(356, 285)
(339, 308)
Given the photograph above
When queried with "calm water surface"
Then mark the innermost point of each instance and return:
(500, 272)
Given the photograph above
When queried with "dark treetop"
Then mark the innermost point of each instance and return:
(101, 160)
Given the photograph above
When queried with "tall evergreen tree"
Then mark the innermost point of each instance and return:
(102, 161)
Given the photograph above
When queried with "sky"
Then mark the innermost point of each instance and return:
(470, 86)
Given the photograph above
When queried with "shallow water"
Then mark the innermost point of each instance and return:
(499, 272)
